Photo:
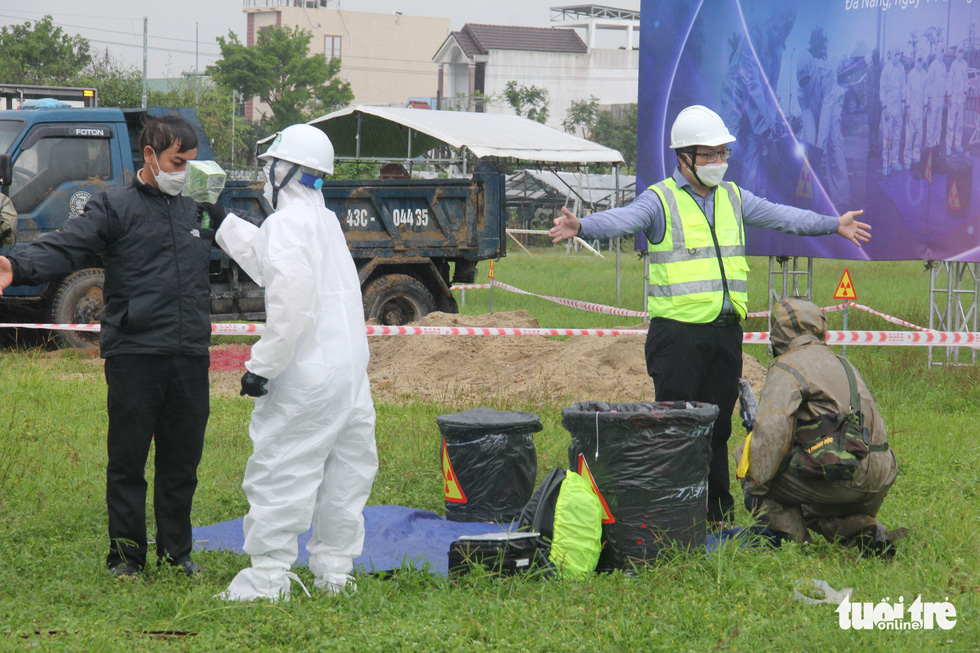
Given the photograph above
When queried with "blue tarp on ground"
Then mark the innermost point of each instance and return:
(393, 535)
(396, 536)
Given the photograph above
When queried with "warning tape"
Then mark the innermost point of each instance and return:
(890, 318)
(573, 303)
(495, 331)
(893, 338)
(841, 307)
(883, 338)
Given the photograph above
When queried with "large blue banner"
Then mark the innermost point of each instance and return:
(836, 105)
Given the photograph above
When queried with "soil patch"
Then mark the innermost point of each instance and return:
(467, 370)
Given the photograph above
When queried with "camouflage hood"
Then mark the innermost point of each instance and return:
(797, 322)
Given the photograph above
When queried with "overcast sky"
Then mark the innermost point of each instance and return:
(182, 32)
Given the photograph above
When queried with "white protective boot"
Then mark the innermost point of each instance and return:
(265, 579)
(335, 583)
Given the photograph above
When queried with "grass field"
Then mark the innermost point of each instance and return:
(55, 593)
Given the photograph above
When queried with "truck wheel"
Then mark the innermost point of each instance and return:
(78, 300)
(397, 299)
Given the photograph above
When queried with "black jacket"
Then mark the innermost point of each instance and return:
(155, 255)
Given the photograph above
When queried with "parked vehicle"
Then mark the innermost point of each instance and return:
(410, 239)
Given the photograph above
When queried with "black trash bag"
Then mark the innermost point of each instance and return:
(650, 462)
(493, 460)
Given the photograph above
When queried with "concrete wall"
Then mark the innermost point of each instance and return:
(386, 58)
(610, 75)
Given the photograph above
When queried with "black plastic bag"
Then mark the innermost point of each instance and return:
(492, 460)
(650, 463)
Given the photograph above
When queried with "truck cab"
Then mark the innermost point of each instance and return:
(410, 239)
(57, 158)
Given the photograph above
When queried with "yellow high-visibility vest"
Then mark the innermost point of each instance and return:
(692, 266)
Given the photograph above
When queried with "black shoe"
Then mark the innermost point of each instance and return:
(877, 541)
(124, 570)
(190, 568)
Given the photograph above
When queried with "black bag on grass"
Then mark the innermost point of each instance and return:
(567, 513)
(500, 554)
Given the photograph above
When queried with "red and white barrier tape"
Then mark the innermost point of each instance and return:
(495, 331)
(881, 338)
(861, 307)
(472, 286)
(890, 318)
(825, 309)
(573, 303)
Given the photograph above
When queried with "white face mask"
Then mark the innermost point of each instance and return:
(712, 174)
(267, 192)
(267, 188)
(169, 183)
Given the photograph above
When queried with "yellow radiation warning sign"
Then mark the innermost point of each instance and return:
(804, 186)
(845, 289)
(454, 493)
(953, 197)
(586, 473)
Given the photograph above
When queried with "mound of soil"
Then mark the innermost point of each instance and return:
(467, 370)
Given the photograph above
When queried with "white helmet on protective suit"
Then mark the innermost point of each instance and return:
(698, 125)
(304, 145)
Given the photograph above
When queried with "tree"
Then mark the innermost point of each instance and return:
(40, 54)
(279, 70)
(582, 114)
(118, 85)
(619, 134)
(528, 101)
(214, 108)
(934, 36)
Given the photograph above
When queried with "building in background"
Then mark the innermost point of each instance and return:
(386, 58)
(478, 61)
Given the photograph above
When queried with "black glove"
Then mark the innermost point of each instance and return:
(216, 213)
(254, 385)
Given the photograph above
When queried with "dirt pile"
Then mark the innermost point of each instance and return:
(464, 369)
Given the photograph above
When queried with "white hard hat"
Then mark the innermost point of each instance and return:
(698, 125)
(304, 145)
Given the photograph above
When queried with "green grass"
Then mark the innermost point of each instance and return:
(52, 517)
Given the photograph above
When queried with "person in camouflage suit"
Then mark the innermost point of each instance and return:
(805, 381)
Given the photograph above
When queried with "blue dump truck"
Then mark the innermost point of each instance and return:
(411, 239)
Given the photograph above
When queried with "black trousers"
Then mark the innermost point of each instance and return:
(702, 363)
(162, 399)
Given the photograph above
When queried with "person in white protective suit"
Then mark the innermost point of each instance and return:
(936, 99)
(312, 428)
(821, 99)
(916, 91)
(892, 96)
(956, 89)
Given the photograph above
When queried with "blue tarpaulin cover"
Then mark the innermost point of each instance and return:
(397, 536)
(394, 536)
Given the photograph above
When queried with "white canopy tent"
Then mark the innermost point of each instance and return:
(391, 132)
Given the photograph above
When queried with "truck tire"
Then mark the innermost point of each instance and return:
(397, 299)
(78, 300)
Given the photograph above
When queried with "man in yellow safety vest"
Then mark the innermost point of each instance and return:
(694, 222)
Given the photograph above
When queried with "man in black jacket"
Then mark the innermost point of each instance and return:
(155, 335)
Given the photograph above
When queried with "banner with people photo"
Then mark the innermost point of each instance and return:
(836, 105)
